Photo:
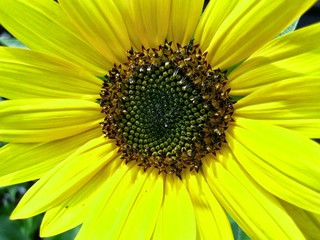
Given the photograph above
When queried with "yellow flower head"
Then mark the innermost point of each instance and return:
(152, 119)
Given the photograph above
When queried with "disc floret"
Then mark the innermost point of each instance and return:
(166, 108)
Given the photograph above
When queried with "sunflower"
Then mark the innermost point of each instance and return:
(153, 119)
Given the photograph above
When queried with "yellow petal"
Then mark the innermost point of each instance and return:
(184, 19)
(114, 203)
(291, 103)
(66, 178)
(283, 162)
(215, 13)
(63, 217)
(308, 222)
(293, 55)
(146, 20)
(72, 211)
(43, 26)
(212, 221)
(27, 74)
(247, 26)
(256, 211)
(25, 162)
(101, 24)
(42, 120)
(176, 219)
(145, 210)
(128, 19)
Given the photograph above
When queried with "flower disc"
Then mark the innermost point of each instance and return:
(166, 109)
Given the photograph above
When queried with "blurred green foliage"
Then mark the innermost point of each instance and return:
(26, 229)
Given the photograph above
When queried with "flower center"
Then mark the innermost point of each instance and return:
(166, 108)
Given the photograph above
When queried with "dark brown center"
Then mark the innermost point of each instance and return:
(166, 108)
